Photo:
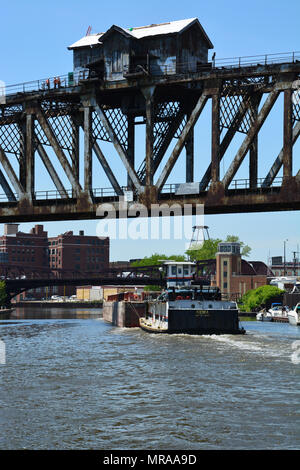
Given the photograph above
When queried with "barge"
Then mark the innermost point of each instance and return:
(191, 310)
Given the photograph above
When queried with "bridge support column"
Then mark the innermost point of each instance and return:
(75, 147)
(253, 152)
(29, 188)
(149, 97)
(130, 151)
(87, 124)
(215, 147)
(22, 165)
(189, 148)
(149, 141)
(287, 135)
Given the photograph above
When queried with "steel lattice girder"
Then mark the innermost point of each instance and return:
(29, 123)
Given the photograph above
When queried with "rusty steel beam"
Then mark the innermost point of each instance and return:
(51, 170)
(130, 146)
(256, 126)
(11, 174)
(6, 188)
(215, 138)
(181, 141)
(288, 134)
(110, 175)
(279, 160)
(75, 147)
(29, 156)
(87, 126)
(189, 155)
(123, 156)
(227, 139)
(149, 98)
(58, 151)
(253, 152)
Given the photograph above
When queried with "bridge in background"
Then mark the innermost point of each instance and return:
(35, 119)
(17, 286)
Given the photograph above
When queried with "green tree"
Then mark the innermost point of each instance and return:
(208, 250)
(3, 294)
(257, 298)
(245, 249)
(156, 259)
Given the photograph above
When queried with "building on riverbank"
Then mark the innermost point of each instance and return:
(91, 293)
(34, 254)
(234, 275)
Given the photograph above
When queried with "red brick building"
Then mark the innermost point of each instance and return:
(35, 252)
(85, 254)
(234, 275)
(26, 250)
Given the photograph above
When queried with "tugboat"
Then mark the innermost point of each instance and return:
(189, 309)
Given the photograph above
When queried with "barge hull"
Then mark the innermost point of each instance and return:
(204, 321)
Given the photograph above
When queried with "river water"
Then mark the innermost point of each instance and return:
(71, 381)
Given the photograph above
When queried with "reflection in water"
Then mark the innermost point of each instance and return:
(53, 313)
(72, 381)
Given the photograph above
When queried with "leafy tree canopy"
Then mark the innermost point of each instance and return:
(156, 259)
(209, 248)
(207, 251)
(245, 249)
(257, 298)
(3, 294)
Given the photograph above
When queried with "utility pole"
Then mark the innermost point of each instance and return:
(284, 259)
(296, 261)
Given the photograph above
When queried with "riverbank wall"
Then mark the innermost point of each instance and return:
(123, 314)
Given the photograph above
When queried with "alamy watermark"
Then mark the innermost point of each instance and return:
(296, 92)
(295, 357)
(2, 352)
(2, 92)
(130, 220)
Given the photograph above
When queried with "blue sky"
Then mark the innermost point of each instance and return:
(34, 36)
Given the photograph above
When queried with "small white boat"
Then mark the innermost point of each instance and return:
(264, 316)
(294, 315)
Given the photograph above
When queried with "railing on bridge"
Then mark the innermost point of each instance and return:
(237, 184)
(171, 188)
(73, 79)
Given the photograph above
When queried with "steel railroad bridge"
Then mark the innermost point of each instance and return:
(35, 120)
(18, 280)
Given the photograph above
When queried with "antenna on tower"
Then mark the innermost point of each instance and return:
(199, 236)
(89, 31)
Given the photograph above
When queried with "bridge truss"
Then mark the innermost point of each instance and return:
(47, 124)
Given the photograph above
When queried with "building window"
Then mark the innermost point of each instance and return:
(225, 273)
(224, 263)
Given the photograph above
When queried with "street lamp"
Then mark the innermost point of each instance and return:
(284, 260)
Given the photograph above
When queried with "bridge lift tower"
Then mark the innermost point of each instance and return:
(199, 236)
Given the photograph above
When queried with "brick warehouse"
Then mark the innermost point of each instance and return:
(34, 253)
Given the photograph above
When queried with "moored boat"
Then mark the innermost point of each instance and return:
(5, 311)
(264, 316)
(294, 315)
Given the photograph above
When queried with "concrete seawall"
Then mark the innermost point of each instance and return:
(123, 314)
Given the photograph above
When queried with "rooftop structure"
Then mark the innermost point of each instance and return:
(178, 45)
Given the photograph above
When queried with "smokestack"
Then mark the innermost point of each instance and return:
(11, 229)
